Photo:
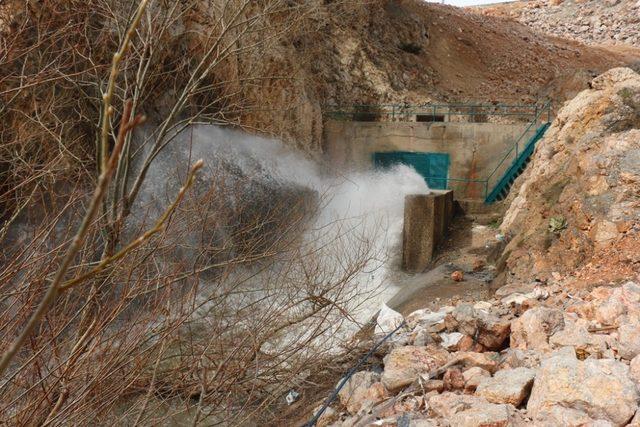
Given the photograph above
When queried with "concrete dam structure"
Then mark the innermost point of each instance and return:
(454, 150)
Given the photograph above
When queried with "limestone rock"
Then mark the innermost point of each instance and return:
(587, 146)
(468, 411)
(490, 330)
(421, 336)
(483, 415)
(629, 337)
(515, 358)
(575, 334)
(515, 288)
(634, 370)
(533, 329)
(403, 365)
(487, 361)
(467, 343)
(607, 312)
(433, 385)
(457, 276)
(328, 417)
(507, 386)
(610, 304)
(473, 377)
(450, 340)
(422, 422)
(388, 320)
(453, 379)
(596, 389)
(426, 317)
(355, 392)
(568, 417)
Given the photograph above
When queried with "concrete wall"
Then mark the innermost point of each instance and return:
(426, 223)
(474, 148)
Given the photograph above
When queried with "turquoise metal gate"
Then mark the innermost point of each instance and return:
(434, 167)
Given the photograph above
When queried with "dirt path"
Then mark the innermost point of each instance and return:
(468, 249)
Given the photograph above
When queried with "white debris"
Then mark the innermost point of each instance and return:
(292, 396)
(388, 320)
(451, 340)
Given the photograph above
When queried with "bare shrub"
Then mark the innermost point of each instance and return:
(201, 312)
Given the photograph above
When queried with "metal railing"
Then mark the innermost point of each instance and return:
(485, 185)
(433, 112)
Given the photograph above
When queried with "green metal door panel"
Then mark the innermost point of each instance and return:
(438, 170)
(434, 167)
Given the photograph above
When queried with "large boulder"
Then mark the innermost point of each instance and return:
(387, 321)
(473, 377)
(425, 317)
(515, 358)
(576, 334)
(594, 389)
(507, 386)
(403, 365)
(533, 329)
(610, 304)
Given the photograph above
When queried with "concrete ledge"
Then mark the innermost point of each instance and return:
(426, 222)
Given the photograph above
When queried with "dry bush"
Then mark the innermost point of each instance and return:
(205, 316)
(219, 334)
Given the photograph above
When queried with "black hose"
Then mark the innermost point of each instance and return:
(312, 422)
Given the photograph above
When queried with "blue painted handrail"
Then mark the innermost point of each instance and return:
(515, 169)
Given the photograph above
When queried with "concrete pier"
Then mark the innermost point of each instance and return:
(426, 222)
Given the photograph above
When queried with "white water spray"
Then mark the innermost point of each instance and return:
(355, 205)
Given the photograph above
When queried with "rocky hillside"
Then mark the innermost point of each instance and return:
(611, 22)
(411, 51)
(576, 214)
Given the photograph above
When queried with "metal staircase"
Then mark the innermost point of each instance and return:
(518, 166)
(521, 158)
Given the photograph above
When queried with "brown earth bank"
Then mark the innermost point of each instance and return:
(559, 344)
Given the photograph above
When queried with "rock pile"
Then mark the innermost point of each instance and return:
(587, 21)
(563, 361)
